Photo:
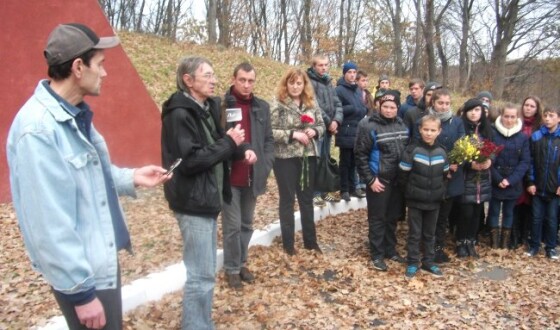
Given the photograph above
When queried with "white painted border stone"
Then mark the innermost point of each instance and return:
(155, 285)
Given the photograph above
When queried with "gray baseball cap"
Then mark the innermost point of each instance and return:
(68, 41)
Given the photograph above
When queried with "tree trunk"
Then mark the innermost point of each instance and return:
(464, 64)
(211, 14)
(340, 58)
(429, 39)
(506, 21)
(418, 37)
(223, 15)
(306, 37)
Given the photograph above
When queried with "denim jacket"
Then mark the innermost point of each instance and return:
(59, 194)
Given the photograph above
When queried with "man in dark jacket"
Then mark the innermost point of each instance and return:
(331, 109)
(416, 89)
(247, 181)
(191, 130)
(354, 110)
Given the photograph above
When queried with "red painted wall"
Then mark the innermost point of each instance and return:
(125, 114)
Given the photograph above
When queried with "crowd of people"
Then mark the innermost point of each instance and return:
(395, 155)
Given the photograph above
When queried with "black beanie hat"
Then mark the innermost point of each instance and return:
(391, 95)
(471, 104)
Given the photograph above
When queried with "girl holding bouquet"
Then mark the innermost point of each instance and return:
(296, 124)
(478, 188)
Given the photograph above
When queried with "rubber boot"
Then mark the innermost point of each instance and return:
(506, 238)
(471, 249)
(495, 237)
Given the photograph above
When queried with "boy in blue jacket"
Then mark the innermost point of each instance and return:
(544, 183)
(423, 171)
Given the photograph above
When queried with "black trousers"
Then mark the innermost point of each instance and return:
(288, 177)
(445, 208)
(383, 211)
(421, 228)
(467, 227)
(347, 166)
(112, 304)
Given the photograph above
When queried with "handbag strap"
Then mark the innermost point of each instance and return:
(324, 148)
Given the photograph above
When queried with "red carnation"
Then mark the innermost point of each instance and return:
(306, 119)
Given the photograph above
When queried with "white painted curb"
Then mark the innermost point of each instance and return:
(155, 285)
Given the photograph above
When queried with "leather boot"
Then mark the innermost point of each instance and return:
(506, 236)
(515, 237)
(439, 255)
(495, 237)
(471, 249)
(462, 251)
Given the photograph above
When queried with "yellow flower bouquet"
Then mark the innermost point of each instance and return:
(466, 149)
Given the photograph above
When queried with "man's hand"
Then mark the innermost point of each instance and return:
(91, 314)
(333, 127)
(250, 157)
(532, 190)
(150, 176)
(237, 134)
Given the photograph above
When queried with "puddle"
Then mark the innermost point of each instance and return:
(494, 273)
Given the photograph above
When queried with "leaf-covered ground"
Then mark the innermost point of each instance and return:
(336, 290)
(340, 290)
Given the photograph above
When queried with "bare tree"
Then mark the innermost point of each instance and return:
(211, 14)
(415, 71)
(224, 21)
(394, 10)
(439, 44)
(464, 62)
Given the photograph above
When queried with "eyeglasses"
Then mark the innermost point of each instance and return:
(209, 76)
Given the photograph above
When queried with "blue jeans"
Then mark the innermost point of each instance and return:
(237, 228)
(507, 206)
(199, 256)
(545, 213)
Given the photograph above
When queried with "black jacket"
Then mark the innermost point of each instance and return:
(544, 172)
(379, 145)
(193, 188)
(328, 101)
(478, 185)
(422, 175)
(354, 110)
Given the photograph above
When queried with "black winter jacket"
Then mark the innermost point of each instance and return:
(354, 110)
(478, 186)
(193, 188)
(545, 166)
(422, 175)
(379, 146)
(328, 101)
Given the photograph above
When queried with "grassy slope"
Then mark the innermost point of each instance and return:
(156, 60)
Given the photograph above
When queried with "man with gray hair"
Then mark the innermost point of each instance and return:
(191, 131)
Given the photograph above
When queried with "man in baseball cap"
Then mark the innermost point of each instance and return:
(68, 41)
(64, 188)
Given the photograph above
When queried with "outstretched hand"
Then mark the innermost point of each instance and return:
(150, 176)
